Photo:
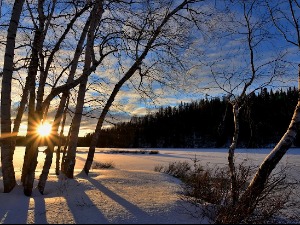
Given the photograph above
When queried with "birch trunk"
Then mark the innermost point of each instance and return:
(9, 180)
(63, 158)
(70, 160)
(32, 73)
(71, 154)
(231, 151)
(61, 139)
(31, 152)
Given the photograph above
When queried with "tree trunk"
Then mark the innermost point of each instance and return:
(90, 157)
(50, 149)
(71, 154)
(63, 158)
(31, 152)
(7, 152)
(70, 160)
(231, 151)
(61, 139)
(47, 165)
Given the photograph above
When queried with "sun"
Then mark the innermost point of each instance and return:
(44, 129)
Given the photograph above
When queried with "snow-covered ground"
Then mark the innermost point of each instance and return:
(130, 193)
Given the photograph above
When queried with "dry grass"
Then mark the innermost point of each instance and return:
(131, 152)
(103, 165)
(209, 190)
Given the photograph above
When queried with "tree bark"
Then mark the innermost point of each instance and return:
(70, 159)
(71, 154)
(61, 139)
(231, 151)
(31, 152)
(7, 152)
(63, 159)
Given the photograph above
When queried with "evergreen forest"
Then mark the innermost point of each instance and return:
(206, 123)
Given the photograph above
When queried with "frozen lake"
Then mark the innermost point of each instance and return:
(212, 156)
(71, 200)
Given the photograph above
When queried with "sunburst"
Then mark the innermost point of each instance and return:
(44, 129)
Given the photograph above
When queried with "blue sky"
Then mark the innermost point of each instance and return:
(218, 49)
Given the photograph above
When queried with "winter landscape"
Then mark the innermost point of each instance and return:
(149, 111)
(130, 193)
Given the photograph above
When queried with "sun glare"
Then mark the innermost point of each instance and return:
(44, 129)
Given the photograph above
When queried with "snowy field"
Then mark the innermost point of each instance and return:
(130, 193)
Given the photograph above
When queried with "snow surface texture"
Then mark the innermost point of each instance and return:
(130, 193)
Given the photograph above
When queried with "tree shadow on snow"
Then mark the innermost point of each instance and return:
(83, 209)
(140, 215)
(14, 207)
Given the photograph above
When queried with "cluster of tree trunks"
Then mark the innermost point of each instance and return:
(146, 38)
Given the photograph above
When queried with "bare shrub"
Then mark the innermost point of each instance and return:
(158, 168)
(209, 190)
(269, 205)
(175, 169)
(153, 152)
(103, 165)
(131, 152)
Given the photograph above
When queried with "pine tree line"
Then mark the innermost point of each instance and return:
(206, 123)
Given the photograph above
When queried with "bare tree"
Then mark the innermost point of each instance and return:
(255, 35)
(146, 39)
(247, 202)
(238, 67)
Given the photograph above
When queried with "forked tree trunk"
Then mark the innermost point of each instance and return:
(44, 75)
(247, 203)
(7, 150)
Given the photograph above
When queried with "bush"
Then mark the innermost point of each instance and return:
(175, 169)
(153, 152)
(131, 152)
(209, 189)
(103, 165)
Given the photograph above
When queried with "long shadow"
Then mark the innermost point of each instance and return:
(14, 207)
(83, 209)
(80, 158)
(140, 215)
(40, 210)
